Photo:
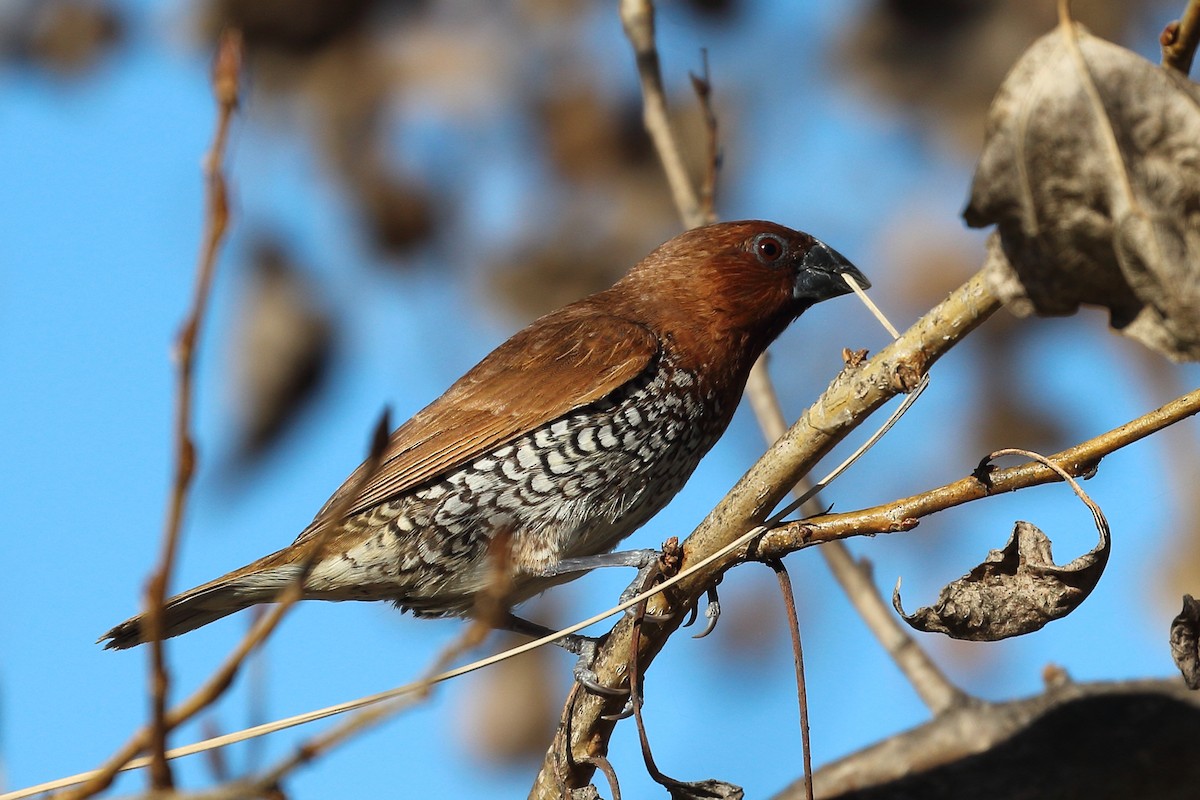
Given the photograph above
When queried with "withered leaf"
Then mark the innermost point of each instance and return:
(1091, 174)
(1015, 591)
(1185, 641)
(704, 790)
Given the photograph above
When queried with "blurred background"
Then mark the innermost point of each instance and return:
(412, 181)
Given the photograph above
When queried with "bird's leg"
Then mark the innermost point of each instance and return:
(624, 558)
(648, 562)
(582, 646)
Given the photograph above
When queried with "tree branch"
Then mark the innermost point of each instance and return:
(1111, 739)
(225, 87)
(1180, 38)
(637, 16)
(904, 514)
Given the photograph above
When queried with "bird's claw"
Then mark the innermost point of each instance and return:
(625, 713)
(712, 612)
(586, 647)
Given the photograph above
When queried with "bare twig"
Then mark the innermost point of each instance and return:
(932, 685)
(225, 87)
(702, 84)
(789, 604)
(1180, 38)
(905, 514)
(604, 765)
(637, 16)
(898, 368)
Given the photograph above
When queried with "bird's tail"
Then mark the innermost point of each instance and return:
(259, 582)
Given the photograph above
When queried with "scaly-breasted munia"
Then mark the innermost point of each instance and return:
(567, 437)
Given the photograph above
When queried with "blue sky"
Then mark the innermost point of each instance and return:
(102, 213)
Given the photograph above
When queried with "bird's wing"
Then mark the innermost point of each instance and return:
(558, 364)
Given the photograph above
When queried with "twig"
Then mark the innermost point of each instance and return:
(904, 514)
(789, 604)
(930, 683)
(702, 84)
(635, 697)
(1180, 38)
(900, 367)
(604, 765)
(637, 16)
(225, 87)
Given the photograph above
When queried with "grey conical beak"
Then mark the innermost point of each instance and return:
(820, 275)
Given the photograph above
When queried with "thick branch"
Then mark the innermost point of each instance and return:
(1095, 740)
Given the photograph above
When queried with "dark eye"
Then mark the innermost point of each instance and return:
(769, 248)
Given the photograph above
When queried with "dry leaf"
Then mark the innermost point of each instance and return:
(1014, 591)
(1185, 641)
(704, 790)
(1091, 173)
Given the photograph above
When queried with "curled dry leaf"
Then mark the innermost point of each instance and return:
(1185, 641)
(1015, 591)
(1091, 174)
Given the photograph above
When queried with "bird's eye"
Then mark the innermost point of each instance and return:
(769, 248)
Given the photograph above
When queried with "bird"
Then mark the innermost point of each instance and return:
(565, 439)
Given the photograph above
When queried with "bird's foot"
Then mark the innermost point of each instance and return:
(665, 564)
(586, 648)
(712, 612)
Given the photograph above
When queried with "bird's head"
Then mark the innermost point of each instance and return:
(737, 282)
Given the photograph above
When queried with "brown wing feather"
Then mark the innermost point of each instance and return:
(562, 362)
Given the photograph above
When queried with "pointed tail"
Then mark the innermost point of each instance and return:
(260, 582)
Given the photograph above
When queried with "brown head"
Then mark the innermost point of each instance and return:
(720, 294)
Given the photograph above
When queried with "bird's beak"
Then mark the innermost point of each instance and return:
(820, 275)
